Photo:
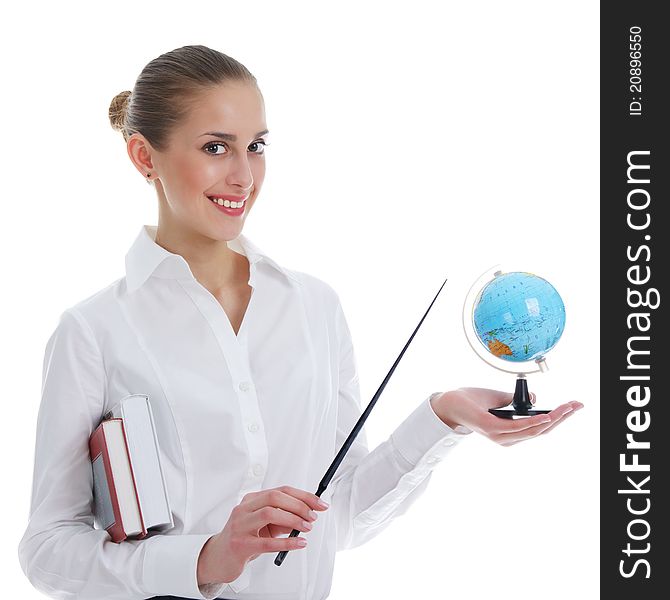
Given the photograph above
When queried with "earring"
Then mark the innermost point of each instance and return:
(148, 174)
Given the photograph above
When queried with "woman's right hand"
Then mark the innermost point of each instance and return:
(252, 529)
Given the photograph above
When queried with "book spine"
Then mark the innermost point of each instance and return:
(143, 533)
(98, 445)
(160, 462)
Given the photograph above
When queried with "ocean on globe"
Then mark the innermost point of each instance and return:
(518, 316)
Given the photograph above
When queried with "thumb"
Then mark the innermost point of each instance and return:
(489, 398)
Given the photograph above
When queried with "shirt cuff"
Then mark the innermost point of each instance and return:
(423, 439)
(171, 568)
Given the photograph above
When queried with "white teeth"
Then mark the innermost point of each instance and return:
(228, 203)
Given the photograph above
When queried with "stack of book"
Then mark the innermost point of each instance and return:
(129, 491)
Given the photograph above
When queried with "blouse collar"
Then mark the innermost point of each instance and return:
(146, 258)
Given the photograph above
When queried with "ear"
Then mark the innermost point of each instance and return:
(140, 152)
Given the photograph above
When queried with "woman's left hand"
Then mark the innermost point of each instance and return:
(470, 407)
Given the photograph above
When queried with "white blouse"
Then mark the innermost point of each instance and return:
(267, 407)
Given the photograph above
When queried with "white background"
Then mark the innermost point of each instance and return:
(410, 141)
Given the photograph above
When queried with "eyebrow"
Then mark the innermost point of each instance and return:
(229, 136)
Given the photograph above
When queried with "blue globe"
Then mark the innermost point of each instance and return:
(518, 316)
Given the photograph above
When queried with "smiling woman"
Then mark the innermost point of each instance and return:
(250, 371)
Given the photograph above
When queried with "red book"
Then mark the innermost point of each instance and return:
(117, 506)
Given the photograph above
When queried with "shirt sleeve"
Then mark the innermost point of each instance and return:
(61, 552)
(370, 489)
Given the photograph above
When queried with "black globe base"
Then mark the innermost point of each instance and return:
(521, 404)
(510, 413)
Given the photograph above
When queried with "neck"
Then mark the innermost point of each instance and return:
(212, 262)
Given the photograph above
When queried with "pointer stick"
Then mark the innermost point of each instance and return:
(359, 425)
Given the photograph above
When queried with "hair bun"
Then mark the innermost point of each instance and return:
(117, 110)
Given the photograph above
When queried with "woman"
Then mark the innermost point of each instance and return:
(250, 370)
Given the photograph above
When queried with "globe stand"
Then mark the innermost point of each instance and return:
(521, 404)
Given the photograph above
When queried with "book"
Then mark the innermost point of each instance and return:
(129, 490)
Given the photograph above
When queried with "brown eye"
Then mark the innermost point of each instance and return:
(214, 144)
(262, 145)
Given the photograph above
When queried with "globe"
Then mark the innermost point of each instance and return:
(518, 316)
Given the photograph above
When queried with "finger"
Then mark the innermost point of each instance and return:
(565, 416)
(287, 498)
(311, 500)
(536, 420)
(557, 415)
(533, 398)
(279, 544)
(255, 521)
(508, 439)
(563, 409)
(497, 426)
(558, 422)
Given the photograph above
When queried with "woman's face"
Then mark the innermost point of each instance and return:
(217, 150)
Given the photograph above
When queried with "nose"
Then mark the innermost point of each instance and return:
(240, 173)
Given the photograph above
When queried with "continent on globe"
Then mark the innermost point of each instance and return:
(497, 348)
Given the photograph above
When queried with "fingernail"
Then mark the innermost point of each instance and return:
(322, 504)
(302, 543)
(313, 515)
(306, 524)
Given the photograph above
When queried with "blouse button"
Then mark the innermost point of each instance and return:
(253, 427)
(244, 386)
(258, 469)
